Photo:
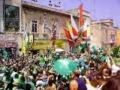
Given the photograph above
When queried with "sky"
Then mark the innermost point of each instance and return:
(99, 9)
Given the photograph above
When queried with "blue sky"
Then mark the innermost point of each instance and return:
(99, 9)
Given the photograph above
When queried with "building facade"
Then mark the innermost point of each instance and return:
(44, 22)
(10, 27)
(103, 33)
(40, 22)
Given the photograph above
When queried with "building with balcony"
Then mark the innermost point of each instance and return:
(40, 22)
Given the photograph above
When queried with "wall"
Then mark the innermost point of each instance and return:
(45, 21)
(17, 4)
(96, 37)
(112, 35)
(118, 37)
(13, 2)
(103, 34)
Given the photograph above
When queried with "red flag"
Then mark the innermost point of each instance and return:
(74, 26)
(74, 31)
(67, 34)
(71, 43)
(69, 39)
(86, 29)
(84, 34)
(81, 15)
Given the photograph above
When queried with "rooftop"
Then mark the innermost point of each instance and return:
(34, 5)
(59, 11)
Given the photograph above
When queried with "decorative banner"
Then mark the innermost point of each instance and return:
(60, 44)
(26, 39)
(31, 39)
(41, 44)
(23, 46)
(45, 44)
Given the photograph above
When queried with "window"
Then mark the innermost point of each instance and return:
(34, 0)
(34, 26)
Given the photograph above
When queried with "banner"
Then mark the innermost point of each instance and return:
(31, 38)
(45, 44)
(23, 47)
(41, 44)
(60, 44)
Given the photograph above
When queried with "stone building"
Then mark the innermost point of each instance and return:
(10, 26)
(39, 21)
(42, 21)
(103, 33)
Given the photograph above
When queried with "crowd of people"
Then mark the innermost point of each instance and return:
(36, 72)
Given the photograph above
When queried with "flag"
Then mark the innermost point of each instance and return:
(84, 34)
(88, 31)
(70, 29)
(81, 15)
(71, 32)
(31, 38)
(86, 27)
(71, 42)
(68, 36)
(26, 38)
(23, 46)
(74, 27)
